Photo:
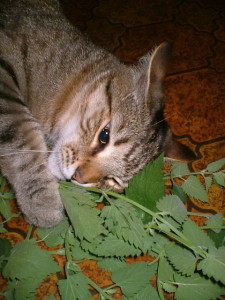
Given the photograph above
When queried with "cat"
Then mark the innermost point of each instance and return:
(72, 111)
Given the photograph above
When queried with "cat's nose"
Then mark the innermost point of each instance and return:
(78, 176)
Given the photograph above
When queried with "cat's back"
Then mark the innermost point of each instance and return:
(42, 47)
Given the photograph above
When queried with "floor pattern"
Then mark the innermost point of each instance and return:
(195, 89)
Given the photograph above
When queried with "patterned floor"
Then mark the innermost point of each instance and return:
(195, 88)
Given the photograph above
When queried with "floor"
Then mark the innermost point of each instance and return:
(195, 89)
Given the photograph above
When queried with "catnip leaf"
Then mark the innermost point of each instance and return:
(173, 206)
(111, 264)
(168, 287)
(193, 187)
(5, 247)
(216, 165)
(27, 260)
(112, 246)
(181, 258)
(2, 229)
(219, 178)
(56, 235)
(179, 169)
(165, 269)
(25, 289)
(133, 278)
(214, 264)
(214, 221)
(196, 287)
(147, 187)
(217, 238)
(147, 293)
(79, 209)
(123, 220)
(159, 243)
(196, 235)
(177, 190)
(208, 182)
(74, 287)
(5, 209)
(83, 197)
(79, 254)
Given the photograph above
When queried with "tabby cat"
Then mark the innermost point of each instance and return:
(70, 110)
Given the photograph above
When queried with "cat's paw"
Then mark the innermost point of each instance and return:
(48, 214)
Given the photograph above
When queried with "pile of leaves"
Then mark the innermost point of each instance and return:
(188, 260)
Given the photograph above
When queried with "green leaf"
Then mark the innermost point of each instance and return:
(5, 209)
(196, 287)
(2, 229)
(217, 238)
(196, 235)
(25, 289)
(78, 253)
(172, 205)
(214, 264)
(147, 293)
(215, 166)
(111, 264)
(83, 216)
(147, 187)
(181, 258)
(208, 182)
(179, 169)
(133, 278)
(113, 246)
(123, 220)
(165, 270)
(193, 187)
(215, 221)
(219, 178)
(27, 260)
(168, 287)
(74, 287)
(5, 247)
(177, 190)
(54, 236)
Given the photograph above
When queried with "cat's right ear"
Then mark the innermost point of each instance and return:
(158, 66)
(153, 71)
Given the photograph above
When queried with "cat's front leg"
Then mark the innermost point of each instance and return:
(23, 160)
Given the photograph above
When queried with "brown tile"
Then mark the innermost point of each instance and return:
(136, 13)
(104, 33)
(77, 16)
(211, 152)
(220, 31)
(190, 48)
(216, 4)
(218, 60)
(196, 104)
(200, 18)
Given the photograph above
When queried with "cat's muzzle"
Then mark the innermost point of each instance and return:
(108, 182)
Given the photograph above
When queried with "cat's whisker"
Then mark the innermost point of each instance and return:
(164, 119)
(26, 150)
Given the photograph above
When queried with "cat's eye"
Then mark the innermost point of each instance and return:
(104, 135)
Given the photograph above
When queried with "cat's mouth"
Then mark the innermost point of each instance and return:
(109, 182)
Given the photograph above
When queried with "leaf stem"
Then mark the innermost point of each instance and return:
(98, 289)
(29, 232)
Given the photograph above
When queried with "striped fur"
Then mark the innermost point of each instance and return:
(58, 89)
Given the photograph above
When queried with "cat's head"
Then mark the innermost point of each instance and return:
(116, 125)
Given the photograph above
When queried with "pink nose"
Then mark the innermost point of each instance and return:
(78, 176)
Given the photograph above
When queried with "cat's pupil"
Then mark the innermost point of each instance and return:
(104, 136)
